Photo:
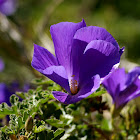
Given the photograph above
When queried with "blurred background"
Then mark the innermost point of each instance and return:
(30, 21)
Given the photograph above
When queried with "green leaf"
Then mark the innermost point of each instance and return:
(58, 134)
(14, 99)
(20, 123)
(106, 125)
(25, 116)
(56, 123)
(6, 110)
(21, 95)
(40, 128)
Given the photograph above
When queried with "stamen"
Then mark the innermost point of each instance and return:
(73, 85)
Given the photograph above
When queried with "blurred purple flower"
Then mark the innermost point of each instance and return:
(4, 94)
(123, 87)
(8, 7)
(15, 87)
(83, 56)
(7, 91)
(1, 65)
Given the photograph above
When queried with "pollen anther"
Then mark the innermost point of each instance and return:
(74, 86)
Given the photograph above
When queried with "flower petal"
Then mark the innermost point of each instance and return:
(60, 96)
(90, 33)
(84, 92)
(62, 35)
(77, 51)
(1, 65)
(99, 58)
(58, 75)
(8, 7)
(42, 58)
(132, 75)
(2, 1)
(4, 94)
(115, 83)
(131, 92)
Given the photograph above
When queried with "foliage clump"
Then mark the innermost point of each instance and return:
(39, 116)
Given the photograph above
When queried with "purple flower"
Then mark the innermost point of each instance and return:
(123, 87)
(7, 91)
(1, 65)
(4, 94)
(15, 87)
(84, 55)
(8, 7)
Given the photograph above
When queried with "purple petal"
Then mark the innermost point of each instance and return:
(77, 51)
(4, 94)
(123, 87)
(58, 75)
(132, 75)
(84, 92)
(131, 92)
(90, 33)
(99, 58)
(1, 65)
(42, 59)
(62, 35)
(115, 83)
(8, 7)
(2, 1)
(60, 96)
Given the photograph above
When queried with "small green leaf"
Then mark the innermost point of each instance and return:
(58, 134)
(14, 99)
(56, 123)
(6, 110)
(20, 122)
(40, 128)
(106, 125)
(21, 95)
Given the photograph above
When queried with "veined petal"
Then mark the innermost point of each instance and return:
(62, 35)
(90, 33)
(58, 75)
(77, 51)
(99, 58)
(84, 92)
(42, 59)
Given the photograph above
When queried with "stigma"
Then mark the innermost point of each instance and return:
(73, 86)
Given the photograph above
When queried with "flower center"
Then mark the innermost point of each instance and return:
(73, 86)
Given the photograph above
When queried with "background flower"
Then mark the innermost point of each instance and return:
(4, 94)
(123, 87)
(8, 7)
(1, 65)
(83, 56)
